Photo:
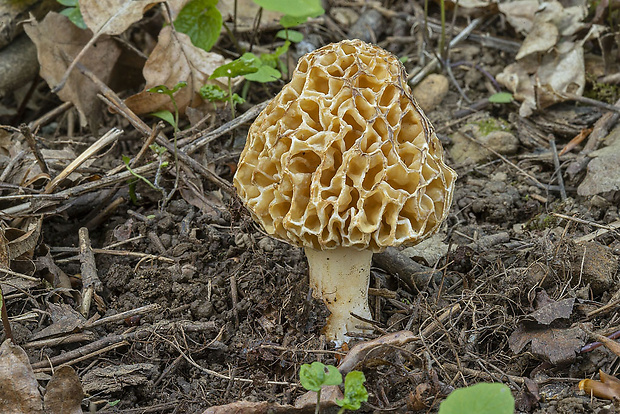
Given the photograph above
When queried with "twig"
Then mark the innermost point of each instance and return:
(558, 170)
(109, 137)
(114, 253)
(194, 143)
(14, 161)
(481, 374)
(113, 341)
(112, 99)
(90, 279)
(69, 339)
(415, 78)
(611, 227)
(32, 143)
(507, 161)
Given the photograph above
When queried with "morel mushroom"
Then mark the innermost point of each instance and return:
(344, 163)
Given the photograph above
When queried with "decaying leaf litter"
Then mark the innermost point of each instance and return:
(165, 295)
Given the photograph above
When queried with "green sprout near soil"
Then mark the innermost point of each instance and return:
(172, 119)
(315, 376)
(242, 66)
(482, 398)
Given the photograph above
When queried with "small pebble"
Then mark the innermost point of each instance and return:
(430, 92)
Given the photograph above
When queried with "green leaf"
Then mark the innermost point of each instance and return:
(404, 59)
(316, 375)
(212, 93)
(264, 74)
(354, 391)
(293, 35)
(247, 63)
(163, 89)
(291, 21)
(201, 21)
(75, 16)
(501, 97)
(295, 8)
(237, 99)
(69, 3)
(158, 149)
(482, 398)
(166, 116)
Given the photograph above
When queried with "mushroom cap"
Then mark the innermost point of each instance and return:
(343, 156)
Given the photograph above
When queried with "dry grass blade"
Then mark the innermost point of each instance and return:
(110, 137)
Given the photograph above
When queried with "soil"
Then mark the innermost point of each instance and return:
(236, 319)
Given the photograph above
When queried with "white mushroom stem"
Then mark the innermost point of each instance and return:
(340, 277)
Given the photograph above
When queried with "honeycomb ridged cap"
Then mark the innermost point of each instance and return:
(344, 157)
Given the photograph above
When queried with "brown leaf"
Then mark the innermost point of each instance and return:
(552, 311)
(19, 391)
(113, 16)
(64, 394)
(58, 41)
(65, 320)
(556, 345)
(608, 387)
(175, 59)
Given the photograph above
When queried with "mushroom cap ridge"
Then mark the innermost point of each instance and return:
(343, 156)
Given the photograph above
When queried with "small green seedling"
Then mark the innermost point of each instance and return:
(201, 21)
(290, 35)
(354, 392)
(243, 66)
(482, 398)
(315, 376)
(73, 13)
(294, 8)
(501, 97)
(174, 121)
(214, 93)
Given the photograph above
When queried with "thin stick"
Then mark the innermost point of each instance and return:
(32, 143)
(415, 78)
(90, 279)
(558, 170)
(111, 136)
(507, 161)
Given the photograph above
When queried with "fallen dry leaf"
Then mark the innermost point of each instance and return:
(608, 387)
(58, 41)
(19, 390)
(557, 345)
(64, 393)
(175, 59)
(65, 320)
(540, 39)
(543, 328)
(520, 14)
(113, 16)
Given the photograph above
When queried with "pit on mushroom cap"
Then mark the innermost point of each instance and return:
(343, 162)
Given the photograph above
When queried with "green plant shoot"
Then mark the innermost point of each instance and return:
(214, 93)
(482, 398)
(73, 13)
(201, 21)
(294, 8)
(501, 97)
(163, 89)
(243, 66)
(315, 376)
(354, 392)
